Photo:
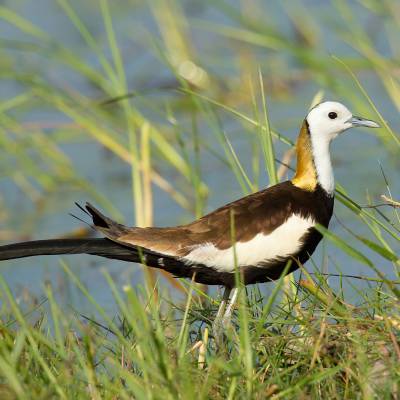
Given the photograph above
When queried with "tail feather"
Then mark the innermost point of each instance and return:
(114, 250)
(108, 247)
(104, 224)
(98, 247)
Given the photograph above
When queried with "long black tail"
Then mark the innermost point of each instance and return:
(98, 247)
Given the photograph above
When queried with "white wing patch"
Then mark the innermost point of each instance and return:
(282, 242)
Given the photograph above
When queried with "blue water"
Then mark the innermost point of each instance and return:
(357, 155)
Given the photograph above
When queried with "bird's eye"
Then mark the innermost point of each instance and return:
(332, 115)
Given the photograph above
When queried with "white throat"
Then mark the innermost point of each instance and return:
(322, 161)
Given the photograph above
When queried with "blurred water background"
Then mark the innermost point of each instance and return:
(59, 142)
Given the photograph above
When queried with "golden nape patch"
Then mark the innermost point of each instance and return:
(306, 175)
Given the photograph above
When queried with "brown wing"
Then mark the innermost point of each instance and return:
(263, 212)
(260, 212)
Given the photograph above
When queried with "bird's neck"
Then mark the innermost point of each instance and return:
(313, 163)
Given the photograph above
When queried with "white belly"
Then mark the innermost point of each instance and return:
(282, 242)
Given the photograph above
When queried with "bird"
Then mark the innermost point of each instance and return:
(260, 235)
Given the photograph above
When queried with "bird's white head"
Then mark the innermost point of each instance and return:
(330, 118)
(322, 124)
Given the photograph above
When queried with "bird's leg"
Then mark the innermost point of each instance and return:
(222, 306)
(217, 325)
(226, 319)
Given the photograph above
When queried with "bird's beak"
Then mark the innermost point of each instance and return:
(367, 123)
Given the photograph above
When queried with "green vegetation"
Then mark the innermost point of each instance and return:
(303, 339)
